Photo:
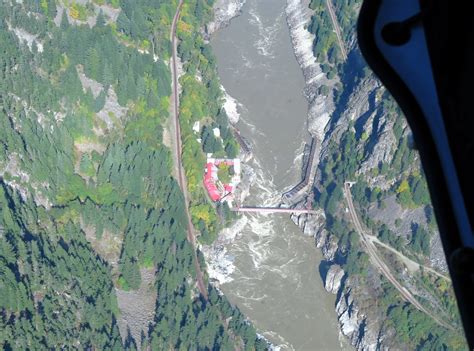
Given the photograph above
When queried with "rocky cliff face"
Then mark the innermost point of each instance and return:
(298, 14)
(361, 110)
(362, 329)
(352, 324)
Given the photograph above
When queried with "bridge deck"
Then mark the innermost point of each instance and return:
(273, 210)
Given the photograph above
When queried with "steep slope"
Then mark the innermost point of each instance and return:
(92, 225)
(366, 142)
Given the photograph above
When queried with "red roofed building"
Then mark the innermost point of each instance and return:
(216, 189)
(210, 178)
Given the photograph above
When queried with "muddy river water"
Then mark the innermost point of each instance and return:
(271, 267)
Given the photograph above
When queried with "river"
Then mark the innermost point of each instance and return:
(270, 267)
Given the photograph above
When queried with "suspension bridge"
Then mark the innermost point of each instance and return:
(296, 211)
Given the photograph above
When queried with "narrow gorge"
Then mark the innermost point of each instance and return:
(350, 110)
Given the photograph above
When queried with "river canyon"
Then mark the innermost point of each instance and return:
(264, 263)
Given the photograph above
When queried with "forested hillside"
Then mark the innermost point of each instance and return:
(88, 206)
(201, 102)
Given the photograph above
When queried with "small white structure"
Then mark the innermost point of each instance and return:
(237, 167)
(217, 132)
(196, 127)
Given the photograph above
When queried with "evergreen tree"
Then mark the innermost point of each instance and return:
(64, 25)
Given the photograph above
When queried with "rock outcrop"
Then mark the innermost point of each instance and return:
(224, 11)
(361, 110)
(334, 279)
(361, 329)
(352, 324)
(320, 107)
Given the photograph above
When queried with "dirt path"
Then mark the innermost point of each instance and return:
(178, 149)
(371, 250)
(411, 265)
(337, 29)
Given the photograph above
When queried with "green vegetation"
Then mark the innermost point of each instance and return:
(389, 237)
(225, 173)
(147, 24)
(210, 143)
(54, 290)
(420, 240)
(413, 192)
(413, 328)
(71, 177)
(346, 12)
(80, 12)
(355, 261)
(442, 290)
(326, 47)
(201, 100)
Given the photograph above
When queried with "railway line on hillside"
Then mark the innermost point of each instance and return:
(379, 263)
(178, 149)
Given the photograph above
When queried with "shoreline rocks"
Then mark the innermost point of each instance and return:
(334, 279)
(224, 12)
(298, 15)
(352, 323)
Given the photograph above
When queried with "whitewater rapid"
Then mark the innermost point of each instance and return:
(263, 263)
